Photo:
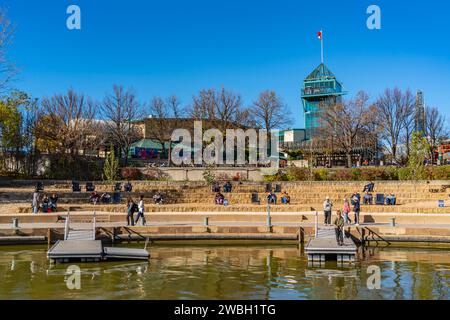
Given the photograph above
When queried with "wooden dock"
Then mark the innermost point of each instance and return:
(80, 244)
(324, 246)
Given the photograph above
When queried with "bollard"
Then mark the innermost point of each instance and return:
(15, 223)
(392, 222)
(269, 219)
(206, 222)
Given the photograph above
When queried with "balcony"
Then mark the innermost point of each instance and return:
(319, 91)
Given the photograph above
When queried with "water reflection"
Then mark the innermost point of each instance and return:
(229, 272)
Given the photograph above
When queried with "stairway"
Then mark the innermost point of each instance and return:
(80, 234)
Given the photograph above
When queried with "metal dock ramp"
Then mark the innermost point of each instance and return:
(81, 244)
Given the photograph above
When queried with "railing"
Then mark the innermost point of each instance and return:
(67, 226)
(94, 226)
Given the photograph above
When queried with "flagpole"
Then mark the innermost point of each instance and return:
(321, 46)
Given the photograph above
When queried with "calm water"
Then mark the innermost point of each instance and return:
(228, 272)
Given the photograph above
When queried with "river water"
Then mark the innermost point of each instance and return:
(229, 272)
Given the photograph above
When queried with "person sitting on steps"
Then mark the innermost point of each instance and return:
(219, 198)
(369, 187)
(285, 198)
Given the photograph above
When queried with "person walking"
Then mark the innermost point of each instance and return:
(339, 225)
(346, 211)
(141, 210)
(327, 208)
(35, 202)
(356, 202)
(131, 208)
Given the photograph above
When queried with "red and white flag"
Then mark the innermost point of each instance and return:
(320, 35)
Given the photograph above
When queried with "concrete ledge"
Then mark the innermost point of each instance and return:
(22, 240)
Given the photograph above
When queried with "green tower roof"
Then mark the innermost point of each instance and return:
(320, 73)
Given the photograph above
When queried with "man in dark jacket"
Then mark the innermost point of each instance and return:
(339, 224)
(356, 202)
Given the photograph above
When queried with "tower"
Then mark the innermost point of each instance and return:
(419, 113)
(320, 89)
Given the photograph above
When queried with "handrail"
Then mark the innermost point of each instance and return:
(94, 225)
(67, 225)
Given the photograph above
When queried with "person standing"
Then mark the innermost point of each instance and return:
(346, 211)
(339, 225)
(356, 202)
(131, 208)
(35, 202)
(141, 210)
(327, 208)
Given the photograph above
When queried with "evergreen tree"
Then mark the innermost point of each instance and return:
(111, 166)
(418, 155)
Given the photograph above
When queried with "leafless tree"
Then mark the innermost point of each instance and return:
(223, 109)
(120, 108)
(270, 112)
(67, 123)
(394, 109)
(436, 129)
(204, 105)
(7, 69)
(347, 124)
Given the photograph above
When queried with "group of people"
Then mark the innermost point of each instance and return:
(272, 198)
(103, 198)
(46, 203)
(132, 208)
(355, 202)
(227, 187)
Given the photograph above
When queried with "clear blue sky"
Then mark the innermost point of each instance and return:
(181, 46)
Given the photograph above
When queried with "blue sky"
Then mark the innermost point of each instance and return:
(182, 46)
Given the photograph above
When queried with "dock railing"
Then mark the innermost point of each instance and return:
(67, 226)
(94, 226)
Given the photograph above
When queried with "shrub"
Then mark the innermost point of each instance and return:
(321, 174)
(297, 174)
(440, 173)
(130, 173)
(356, 174)
(404, 173)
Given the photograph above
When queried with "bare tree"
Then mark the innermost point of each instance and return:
(347, 124)
(7, 69)
(436, 129)
(394, 109)
(67, 123)
(160, 115)
(224, 109)
(121, 108)
(204, 105)
(270, 112)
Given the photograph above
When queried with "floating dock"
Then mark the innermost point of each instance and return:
(80, 244)
(324, 246)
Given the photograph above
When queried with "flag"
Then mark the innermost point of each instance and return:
(320, 35)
